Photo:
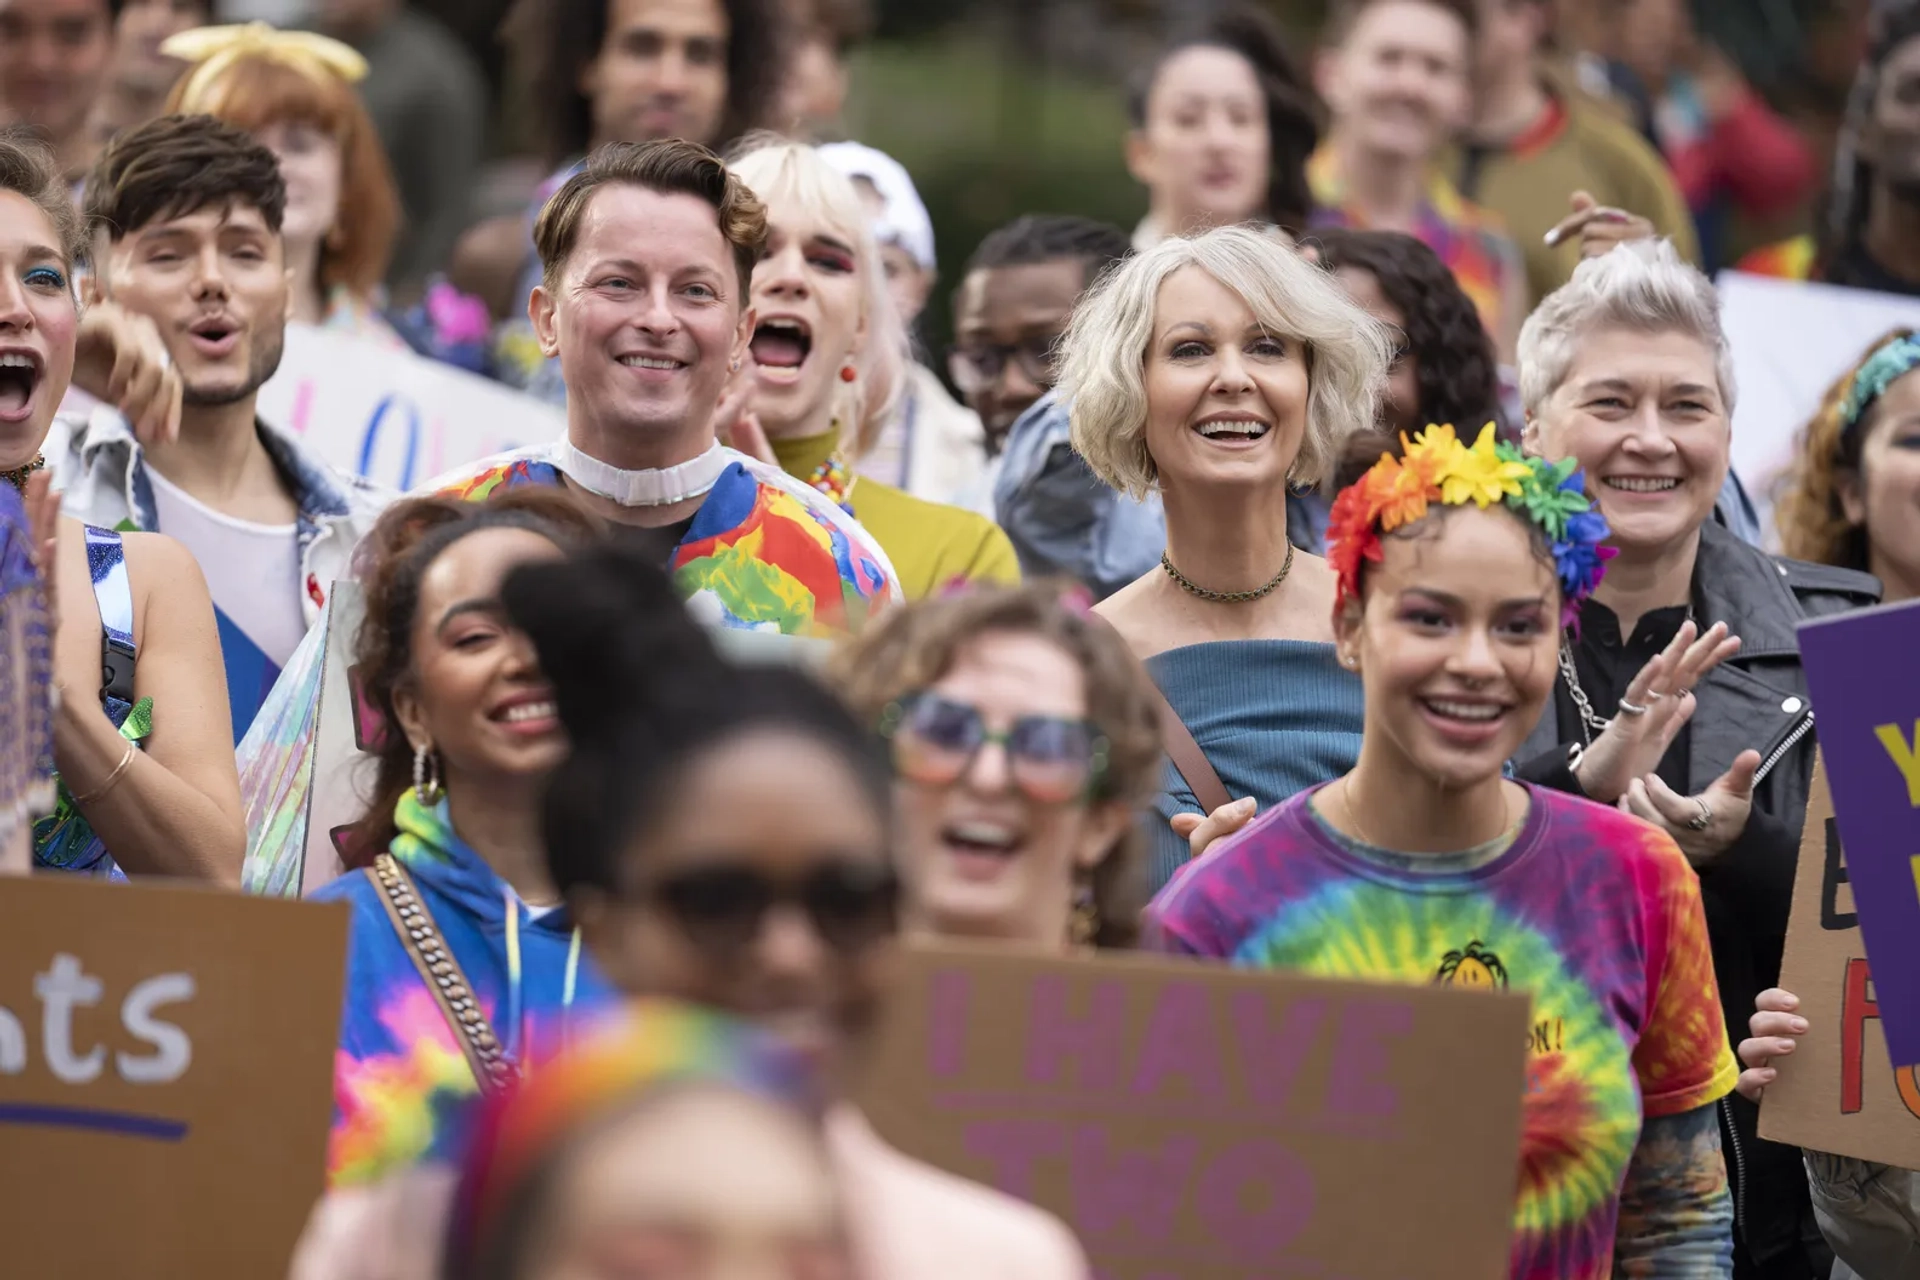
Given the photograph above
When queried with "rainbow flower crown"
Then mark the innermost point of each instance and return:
(1438, 468)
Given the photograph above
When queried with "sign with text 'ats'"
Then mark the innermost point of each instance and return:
(166, 1077)
(1195, 1122)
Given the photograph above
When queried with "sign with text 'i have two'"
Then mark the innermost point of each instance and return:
(1866, 692)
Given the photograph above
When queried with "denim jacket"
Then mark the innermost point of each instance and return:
(1063, 519)
(100, 468)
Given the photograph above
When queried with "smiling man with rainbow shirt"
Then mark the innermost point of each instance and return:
(647, 254)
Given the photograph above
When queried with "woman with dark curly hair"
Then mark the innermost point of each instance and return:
(1222, 124)
(1034, 843)
(1852, 499)
(451, 879)
(1443, 366)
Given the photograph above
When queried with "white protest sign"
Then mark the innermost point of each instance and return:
(394, 417)
(1790, 340)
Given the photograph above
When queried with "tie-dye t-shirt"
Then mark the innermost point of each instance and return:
(1595, 914)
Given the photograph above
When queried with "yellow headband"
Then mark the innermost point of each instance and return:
(211, 50)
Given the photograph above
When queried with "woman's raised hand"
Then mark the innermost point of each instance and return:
(1635, 740)
(1775, 1026)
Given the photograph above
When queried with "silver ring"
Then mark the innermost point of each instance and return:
(1631, 708)
(1703, 819)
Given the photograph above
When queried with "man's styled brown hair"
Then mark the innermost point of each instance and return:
(670, 167)
(178, 165)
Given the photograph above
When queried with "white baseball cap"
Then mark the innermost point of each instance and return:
(903, 219)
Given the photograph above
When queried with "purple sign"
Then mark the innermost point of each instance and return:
(1866, 692)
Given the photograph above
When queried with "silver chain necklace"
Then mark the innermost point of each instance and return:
(1591, 722)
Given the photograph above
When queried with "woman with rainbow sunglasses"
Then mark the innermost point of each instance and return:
(1457, 566)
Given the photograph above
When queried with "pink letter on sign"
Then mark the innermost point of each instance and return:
(1182, 1040)
(1271, 1056)
(947, 1006)
(1013, 1147)
(1256, 1197)
(1356, 1085)
(1094, 1040)
(1135, 1193)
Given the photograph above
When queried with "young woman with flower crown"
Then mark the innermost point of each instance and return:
(1457, 566)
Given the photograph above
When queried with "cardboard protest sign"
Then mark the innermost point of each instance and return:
(1790, 339)
(1837, 1090)
(392, 416)
(1866, 689)
(166, 1077)
(1195, 1122)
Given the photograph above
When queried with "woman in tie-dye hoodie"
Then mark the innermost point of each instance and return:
(461, 958)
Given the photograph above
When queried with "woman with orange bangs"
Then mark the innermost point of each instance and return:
(294, 92)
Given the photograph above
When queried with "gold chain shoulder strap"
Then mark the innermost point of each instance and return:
(492, 1069)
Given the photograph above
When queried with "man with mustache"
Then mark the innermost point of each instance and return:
(185, 219)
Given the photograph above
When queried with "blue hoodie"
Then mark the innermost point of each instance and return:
(402, 1084)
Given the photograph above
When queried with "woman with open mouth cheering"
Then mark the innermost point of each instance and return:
(145, 789)
(1221, 370)
(1456, 566)
(829, 361)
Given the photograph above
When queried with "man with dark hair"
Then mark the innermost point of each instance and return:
(1012, 306)
(184, 214)
(54, 56)
(604, 71)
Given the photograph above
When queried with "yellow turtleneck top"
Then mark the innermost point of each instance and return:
(930, 543)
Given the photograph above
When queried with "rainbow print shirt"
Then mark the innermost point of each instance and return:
(1595, 914)
(402, 1090)
(1470, 239)
(764, 553)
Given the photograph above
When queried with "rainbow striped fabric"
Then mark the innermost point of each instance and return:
(1470, 239)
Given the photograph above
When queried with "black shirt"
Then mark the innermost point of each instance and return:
(1606, 666)
(656, 542)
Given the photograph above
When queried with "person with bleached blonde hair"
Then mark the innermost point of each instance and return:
(828, 361)
(1220, 372)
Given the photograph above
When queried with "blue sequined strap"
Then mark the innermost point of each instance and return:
(107, 566)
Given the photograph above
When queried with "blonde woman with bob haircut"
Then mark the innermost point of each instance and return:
(828, 362)
(1219, 371)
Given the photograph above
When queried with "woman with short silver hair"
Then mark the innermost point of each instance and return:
(1220, 371)
(1658, 708)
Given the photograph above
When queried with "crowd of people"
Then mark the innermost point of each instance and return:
(1342, 573)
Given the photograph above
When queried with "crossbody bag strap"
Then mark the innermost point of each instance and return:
(1189, 759)
(442, 973)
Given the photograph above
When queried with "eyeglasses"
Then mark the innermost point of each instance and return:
(1052, 759)
(974, 368)
(723, 908)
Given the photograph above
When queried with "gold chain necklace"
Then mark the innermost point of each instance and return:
(17, 476)
(1228, 597)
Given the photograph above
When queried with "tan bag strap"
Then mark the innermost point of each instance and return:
(492, 1069)
(1189, 759)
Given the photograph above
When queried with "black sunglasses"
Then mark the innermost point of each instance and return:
(723, 908)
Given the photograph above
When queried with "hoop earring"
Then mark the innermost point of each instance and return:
(426, 777)
(1084, 926)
